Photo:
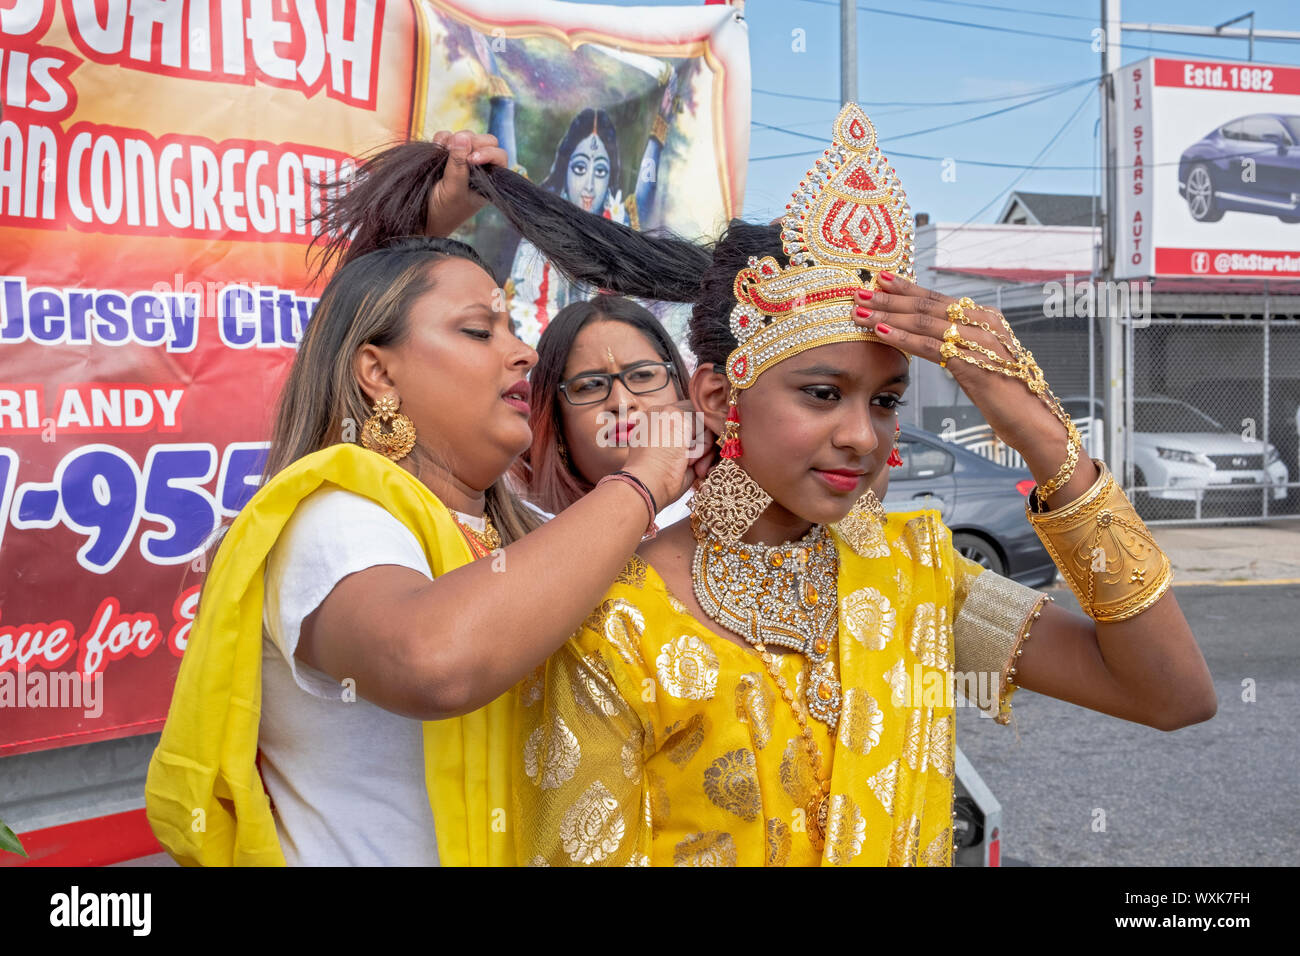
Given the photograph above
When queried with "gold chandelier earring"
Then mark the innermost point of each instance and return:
(388, 431)
(863, 528)
(728, 501)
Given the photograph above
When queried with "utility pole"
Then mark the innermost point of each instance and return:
(1250, 34)
(1114, 335)
(848, 51)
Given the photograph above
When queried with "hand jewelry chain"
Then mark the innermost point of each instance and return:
(1021, 366)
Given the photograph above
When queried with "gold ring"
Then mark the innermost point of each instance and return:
(956, 313)
(946, 351)
(951, 334)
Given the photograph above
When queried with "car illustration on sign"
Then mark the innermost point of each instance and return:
(1249, 164)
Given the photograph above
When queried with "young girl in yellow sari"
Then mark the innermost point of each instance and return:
(772, 683)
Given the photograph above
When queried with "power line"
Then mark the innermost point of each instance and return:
(1005, 109)
(1026, 169)
(934, 129)
(1025, 172)
(957, 23)
(922, 103)
(1034, 13)
(968, 162)
(1029, 33)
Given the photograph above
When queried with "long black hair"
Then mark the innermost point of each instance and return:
(389, 197)
(586, 123)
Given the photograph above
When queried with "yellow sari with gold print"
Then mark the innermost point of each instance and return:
(650, 740)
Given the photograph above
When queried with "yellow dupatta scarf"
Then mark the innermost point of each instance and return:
(648, 739)
(203, 795)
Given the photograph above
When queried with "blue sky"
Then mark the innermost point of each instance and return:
(911, 69)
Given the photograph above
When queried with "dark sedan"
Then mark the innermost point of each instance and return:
(1213, 172)
(981, 502)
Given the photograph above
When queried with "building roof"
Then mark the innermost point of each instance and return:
(1050, 209)
(1011, 275)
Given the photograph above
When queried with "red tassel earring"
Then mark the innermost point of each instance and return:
(895, 459)
(730, 440)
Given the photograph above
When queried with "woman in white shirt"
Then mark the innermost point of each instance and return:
(370, 628)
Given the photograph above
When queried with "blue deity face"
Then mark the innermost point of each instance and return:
(586, 182)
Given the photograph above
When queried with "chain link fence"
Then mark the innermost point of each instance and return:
(1212, 399)
(1214, 405)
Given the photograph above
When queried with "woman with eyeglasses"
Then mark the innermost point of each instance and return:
(597, 363)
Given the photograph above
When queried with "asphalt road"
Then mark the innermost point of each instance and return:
(1224, 792)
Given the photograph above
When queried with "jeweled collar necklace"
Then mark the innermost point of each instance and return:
(779, 595)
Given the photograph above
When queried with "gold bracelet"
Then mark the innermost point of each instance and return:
(1073, 445)
(1104, 550)
(1020, 366)
(1009, 686)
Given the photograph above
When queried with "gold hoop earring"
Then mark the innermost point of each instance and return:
(388, 431)
(863, 528)
(728, 501)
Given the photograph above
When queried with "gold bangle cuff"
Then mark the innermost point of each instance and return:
(994, 620)
(1103, 550)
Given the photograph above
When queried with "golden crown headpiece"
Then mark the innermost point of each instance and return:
(848, 214)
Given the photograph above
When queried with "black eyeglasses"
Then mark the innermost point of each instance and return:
(592, 387)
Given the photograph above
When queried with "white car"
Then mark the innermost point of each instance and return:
(1177, 445)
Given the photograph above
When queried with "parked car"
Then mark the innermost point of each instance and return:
(1179, 451)
(1210, 170)
(981, 502)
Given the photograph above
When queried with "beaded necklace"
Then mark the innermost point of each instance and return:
(484, 542)
(784, 595)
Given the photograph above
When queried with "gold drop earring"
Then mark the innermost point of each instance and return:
(388, 431)
(728, 501)
(863, 528)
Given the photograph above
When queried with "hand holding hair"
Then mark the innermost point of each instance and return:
(451, 201)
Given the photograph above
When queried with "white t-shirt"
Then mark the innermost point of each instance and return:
(671, 514)
(676, 511)
(346, 776)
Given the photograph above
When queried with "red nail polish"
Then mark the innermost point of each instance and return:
(865, 294)
(882, 328)
(887, 275)
(862, 312)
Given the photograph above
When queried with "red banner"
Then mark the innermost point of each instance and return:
(158, 167)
